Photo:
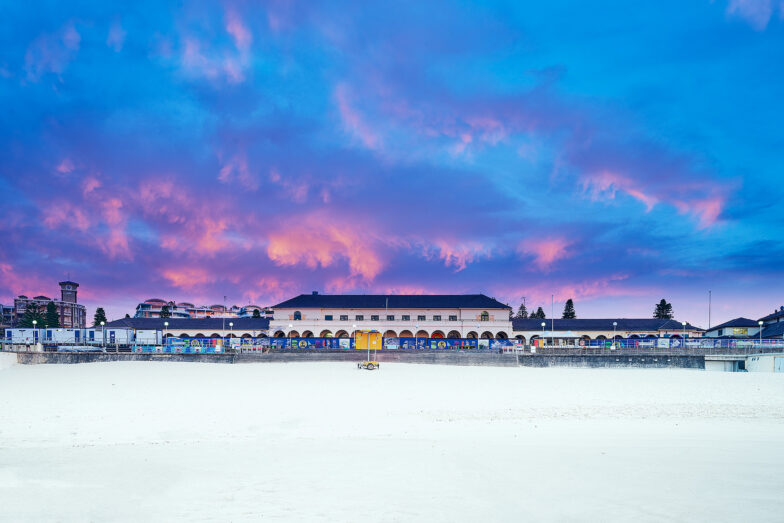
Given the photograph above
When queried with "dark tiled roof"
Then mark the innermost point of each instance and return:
(392, 301)
(624, 324)
(737, 322)
(776, 314)
(774, 330)
(211, 324)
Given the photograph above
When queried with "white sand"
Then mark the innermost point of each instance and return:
(326, 442)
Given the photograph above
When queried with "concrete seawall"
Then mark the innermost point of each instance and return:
(648, 361)
(490, 359)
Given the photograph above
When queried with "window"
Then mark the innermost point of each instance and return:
(437, 318)
(453, 318)
(374, 317)
(484, 317)
(406, 317)
(327, 317)
(344, 317)
(390, 317)
(420, 318)
(359, 317)
(297, 315)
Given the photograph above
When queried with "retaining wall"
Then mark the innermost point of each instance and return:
(683, 362)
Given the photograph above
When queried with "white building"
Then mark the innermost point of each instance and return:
(421, 316)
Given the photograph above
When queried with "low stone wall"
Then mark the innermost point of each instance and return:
(493, 359)
(32, 358)
(655, 361)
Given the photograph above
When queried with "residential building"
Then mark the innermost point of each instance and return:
(72, 314)
(422, 316)
(773, 324)
(152, 309)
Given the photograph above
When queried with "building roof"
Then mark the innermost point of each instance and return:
(737, 322)
(68, 282)
(775, 330)
(603, 324)
(776, 314)
(41, 298)
(211, 324)
(391, 301)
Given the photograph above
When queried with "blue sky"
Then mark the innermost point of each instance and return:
(611, 153)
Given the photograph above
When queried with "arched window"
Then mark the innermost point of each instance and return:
(297, 315)
(485, 316)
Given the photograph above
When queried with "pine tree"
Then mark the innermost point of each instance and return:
(663, 310)
(256, 313)
(165, 313)
(52, 319)
(31, 313)
(569, 313)
(522, 312)
(127, 316)
(540, 313)
(100, 316)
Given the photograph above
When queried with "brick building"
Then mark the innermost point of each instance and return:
(72, 314)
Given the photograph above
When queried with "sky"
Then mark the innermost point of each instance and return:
(615, 152)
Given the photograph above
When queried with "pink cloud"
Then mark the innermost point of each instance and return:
(236, 169)
(63, 213)
(212, 240)
(89, 185)
(238, 31)
(546, 251)
(756, 12)
(706, 210)
(116, 244)
(66, 166)
(353, 121)
(188, 278)
(316, 242)
(459, 254)
(50, 53)
(604, 185)
(116, 37)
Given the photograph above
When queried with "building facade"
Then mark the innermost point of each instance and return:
(422, 316)
(72, 314)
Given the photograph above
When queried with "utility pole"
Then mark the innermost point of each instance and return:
(709, 309)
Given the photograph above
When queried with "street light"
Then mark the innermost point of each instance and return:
(231, 333)
(615, 327)
(291, 326)
(35, 330)
(543, 324)
(103, 336)
(165, 329)
(684, 333)
(416, 336)
(354, 334)
(760, 329)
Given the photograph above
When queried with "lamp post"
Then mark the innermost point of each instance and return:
(615, 328)
(684, 333)
(760, 333)
(165, 331)
(543, 324)
(231, 332)
(103, 336)
(35, 331)
(354, 334)
(291, 326)
(416, 336)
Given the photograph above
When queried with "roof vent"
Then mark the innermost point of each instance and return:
(315, 293)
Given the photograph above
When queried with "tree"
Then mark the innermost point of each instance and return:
(663, 310)
(127, 316)
(539, 314)
(31, 313)
(256, 313)
(52, 319)
(568, 313)
(165, 313)
(100, 316)
(522, 312)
